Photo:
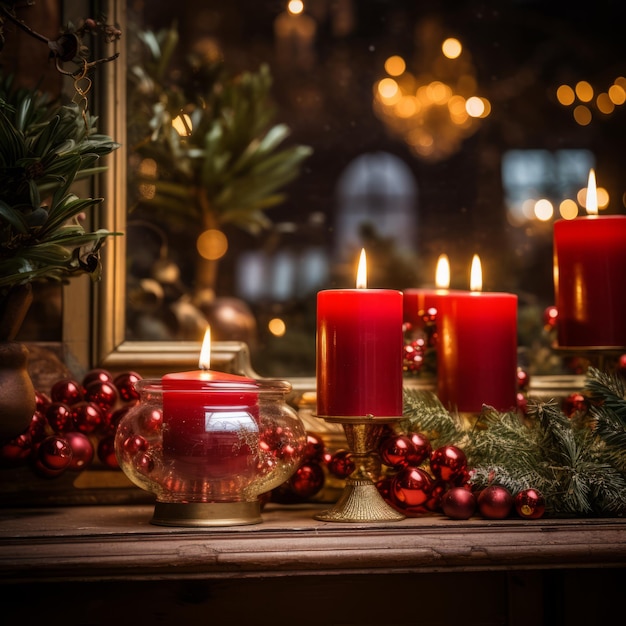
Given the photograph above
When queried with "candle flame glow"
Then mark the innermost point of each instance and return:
(591, 203)
(442, 273)
(361, 274)
(476, 274)
(205, 353)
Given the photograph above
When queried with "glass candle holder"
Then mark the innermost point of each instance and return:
(209, 454)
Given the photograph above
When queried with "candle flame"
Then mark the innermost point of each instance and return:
(205, 352)
(476, 274)
(591, 203)
(361, 274)
(442, 274)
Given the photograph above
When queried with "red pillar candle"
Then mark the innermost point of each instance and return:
(477, 351)
(416, 302)
(359, 351)
(589, 270)
(210, 428)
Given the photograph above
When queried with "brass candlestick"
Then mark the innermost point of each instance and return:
(361, 500)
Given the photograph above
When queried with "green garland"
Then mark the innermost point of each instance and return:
(578, 462)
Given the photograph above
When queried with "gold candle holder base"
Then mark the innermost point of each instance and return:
(360, 500)
(206, 514)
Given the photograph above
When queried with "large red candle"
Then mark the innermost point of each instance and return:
(417, 302)
(589, 270)
(477, 351)
(210, 428)
(359, 353)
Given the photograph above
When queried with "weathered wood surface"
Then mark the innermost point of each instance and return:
(120, 543)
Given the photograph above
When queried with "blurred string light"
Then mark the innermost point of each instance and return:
(585, 103)
(434, 110)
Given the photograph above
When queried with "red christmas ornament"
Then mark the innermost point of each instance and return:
(458, 503)
(395, 450)
(82, 451)
(125, 384)
(550, 317)
(522, 403)
(67, 390)
(314, 448)
(434, 502)
(575, 403)
(495, 502)
(41, 401)
(16, 450)
(523, 379)
(341, 464)
(87, 416)
(421, 448)
(134, 444)
(101, 375)
(448, 463)
(307, 480)
(38, 428)
(411, 487)
(106, 452)
(59, 416)
(530, 504)
(144, 463)
(102, 393)
(55, 453)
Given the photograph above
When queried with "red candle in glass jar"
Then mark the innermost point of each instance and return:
(359, 351)
(477, 350)
(589, 270)
(210, 424)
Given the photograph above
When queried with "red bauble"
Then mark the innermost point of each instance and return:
(458, 503)
(575, 403)
(82, 451)
(434, 502)
(523, 379)
(134, 444)
(395, 450)
(422, 448)
(341, 464)
(54, 453)
(104, 394)
(448, 463)
(550, 317)
(38, 428)
(522, 402)
(16, 450)
(495, 502)
(530, 504)
(59, 416)
(307, 480)
(106, 452)
(411, 487)
(125, 384)
(67, 390)
(87, 416)
(314, 449)
(42, 401)
(101, 375)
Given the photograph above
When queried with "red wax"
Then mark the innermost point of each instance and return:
(477, 351)
(589, 271)
(417, 301)
(210, 426)
(359, 352)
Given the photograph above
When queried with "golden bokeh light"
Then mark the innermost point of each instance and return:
(182, 125)
(617, 94)
(582, 115)
(395, 65)
(212, 244)
(544, 210)
(568, 209)
(475, 106)
(565, 95)
(277, 327)
(388, 89)
(584, 91)
(295, 7)
(451, 48)
(605, 104)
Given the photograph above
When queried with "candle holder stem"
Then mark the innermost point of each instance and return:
(361, 501)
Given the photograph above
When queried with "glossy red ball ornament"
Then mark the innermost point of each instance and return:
(42, 401)
(97, 374)
(341, 464)
(421, 448)
(495, 502)
(87, 417)
(530, 504)
(448, 463)
(314, 448)
(59, 417)
(144, 463)
(102, 393)
(82, 451)
(395, 450)
(67, 391)
(550, 317)
(39, 427)
(411, 487)
(106, 452)
(434, 501)
(55, 453)
(134, 444)
(16, 450)
(574, 404)
(458, 503)
(125, 385)
(307, 480)
(523, 379)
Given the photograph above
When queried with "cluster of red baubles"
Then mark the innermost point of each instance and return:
(415, 480)
(74, 425)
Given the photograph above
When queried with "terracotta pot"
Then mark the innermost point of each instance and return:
(17, 392)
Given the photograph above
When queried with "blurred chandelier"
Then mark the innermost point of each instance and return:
(434, 109)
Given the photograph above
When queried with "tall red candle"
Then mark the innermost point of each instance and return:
(589, 270)
(359, 353)
(210, 427)
(416, 302)
(477, 351)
